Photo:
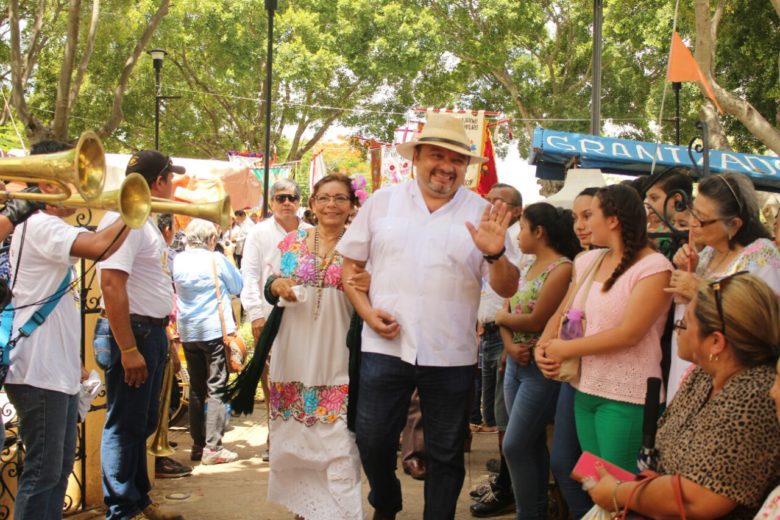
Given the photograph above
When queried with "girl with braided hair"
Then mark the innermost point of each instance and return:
(626, 308)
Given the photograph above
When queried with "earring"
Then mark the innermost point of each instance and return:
(713, 357)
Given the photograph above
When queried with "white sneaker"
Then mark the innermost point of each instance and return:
(220, 456)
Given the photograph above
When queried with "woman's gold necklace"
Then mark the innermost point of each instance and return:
(321, 270)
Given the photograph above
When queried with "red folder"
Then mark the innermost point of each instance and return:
(586, 467)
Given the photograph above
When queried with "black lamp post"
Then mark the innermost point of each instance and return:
(158, 55)
(270, 6)
(595, 104)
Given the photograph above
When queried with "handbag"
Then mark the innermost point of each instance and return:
(573, 320)
(235, 348)
(644, 478)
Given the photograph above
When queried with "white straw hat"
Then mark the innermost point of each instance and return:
(444, 131)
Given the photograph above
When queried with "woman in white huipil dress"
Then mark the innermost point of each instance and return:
(315, 466)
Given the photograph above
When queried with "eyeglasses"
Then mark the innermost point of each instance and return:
(285, 197)
(717, 287)
(325, 199)
(705, 222)
(496, 199)
(680, 325)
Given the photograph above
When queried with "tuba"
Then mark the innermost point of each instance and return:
(132, 201)
(83, 167)
(217, 212)
(158, 445)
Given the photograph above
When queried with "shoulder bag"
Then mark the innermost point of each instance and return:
(573, 320)
(235, 348)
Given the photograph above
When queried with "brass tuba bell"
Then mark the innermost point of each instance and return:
(133, 201)
(217, 212)
(83, 167)
(158, 445)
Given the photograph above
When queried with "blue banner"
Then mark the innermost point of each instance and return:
(553, 152)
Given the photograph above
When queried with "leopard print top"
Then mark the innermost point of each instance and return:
(729, 444)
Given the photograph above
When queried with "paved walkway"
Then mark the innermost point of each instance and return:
(237, 490)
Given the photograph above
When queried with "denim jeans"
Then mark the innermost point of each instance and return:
(386, 385)
(531, 400)
(207, 366)
(47, 424)
(566, 452)
(492, 347)
(131, 418)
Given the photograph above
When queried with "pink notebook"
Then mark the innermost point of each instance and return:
(586, 467)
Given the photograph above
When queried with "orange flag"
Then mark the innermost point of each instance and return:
(683, 67)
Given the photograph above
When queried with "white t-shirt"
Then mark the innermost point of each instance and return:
(144, 257)
(51, 357)
(426, 272)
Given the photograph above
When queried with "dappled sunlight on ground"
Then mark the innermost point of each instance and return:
(237, 490)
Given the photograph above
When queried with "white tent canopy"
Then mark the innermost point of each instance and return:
(576, 181)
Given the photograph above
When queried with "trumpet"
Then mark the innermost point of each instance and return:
(133, 201)
(83, 166)
(217, 212)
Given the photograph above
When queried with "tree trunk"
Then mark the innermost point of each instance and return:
(716, 135)
(706, 42)
(62, 103)
(33, 127)
(88, 48)
(116, 116)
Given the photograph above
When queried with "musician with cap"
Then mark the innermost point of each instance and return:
(137, 299)
(429, 243)
(45, 369)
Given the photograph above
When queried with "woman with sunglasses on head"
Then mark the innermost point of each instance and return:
(771, 507)
(315, 466)
(626, 308)
(720, 434)
(725, 221)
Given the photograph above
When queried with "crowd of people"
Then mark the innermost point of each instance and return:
(370, 321)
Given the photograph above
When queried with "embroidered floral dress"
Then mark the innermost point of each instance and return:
(315, 466)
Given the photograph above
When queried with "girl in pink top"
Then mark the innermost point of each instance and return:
(626, 309)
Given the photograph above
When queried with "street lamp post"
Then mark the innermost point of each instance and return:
(158, 55)
(595, 104)
(270, 6)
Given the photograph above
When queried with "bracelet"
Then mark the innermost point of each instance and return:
(614, 497)
(492, 258)
(128, 350)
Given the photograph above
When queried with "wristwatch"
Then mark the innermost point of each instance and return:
(492, 258)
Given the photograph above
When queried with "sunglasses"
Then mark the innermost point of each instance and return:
(284, 197)
(168, 166)
(717, 288)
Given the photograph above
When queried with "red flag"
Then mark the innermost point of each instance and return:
(488, 175)
(683, 67)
